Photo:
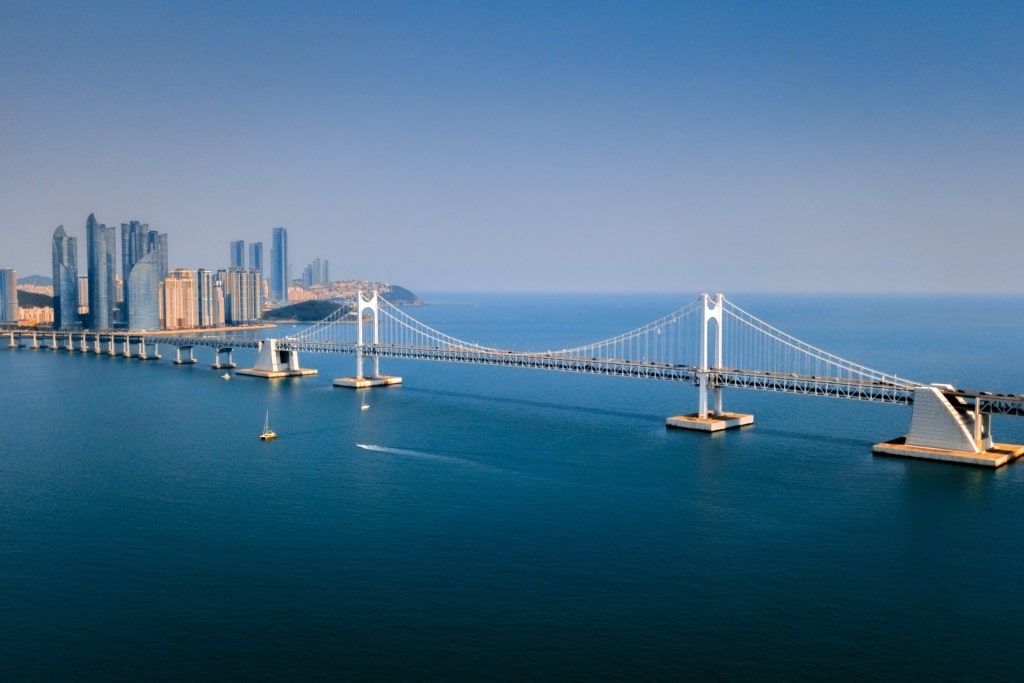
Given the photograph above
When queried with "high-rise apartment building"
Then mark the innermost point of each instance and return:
(65, 280)
(204, 297)
(180, 300)
(243, 296)
(101, 243)
(256, 256)
(8, 295)
(237, 254)
(279, 266)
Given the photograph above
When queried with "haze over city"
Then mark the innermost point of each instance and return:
(589, 146)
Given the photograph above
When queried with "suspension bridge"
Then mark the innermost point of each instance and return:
(711, 344)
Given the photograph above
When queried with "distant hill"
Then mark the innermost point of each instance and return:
(35, 280)
(305, 311)
(400, 296)
(33, 300)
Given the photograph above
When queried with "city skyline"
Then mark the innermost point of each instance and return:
(538, 146)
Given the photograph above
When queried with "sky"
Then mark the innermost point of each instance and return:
(530, 146)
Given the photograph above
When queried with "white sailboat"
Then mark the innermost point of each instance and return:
(268, 433)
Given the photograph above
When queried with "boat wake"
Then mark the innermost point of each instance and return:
(435, 457)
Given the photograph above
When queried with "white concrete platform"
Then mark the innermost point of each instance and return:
(714, 422)
(273, 374)
(367, 382)
(997, 456)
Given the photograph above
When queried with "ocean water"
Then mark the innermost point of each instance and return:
(482, 523)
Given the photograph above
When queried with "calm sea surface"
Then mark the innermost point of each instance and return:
(482, 523)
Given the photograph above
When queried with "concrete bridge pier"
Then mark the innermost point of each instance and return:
(83, 345)
(948, 428)
(144, 350)
(126, 348)
(70, 346)
(187, 361)
(111, 346)
(35, 341)
(13, 344)
(275, 361)
(97, 346)
(218, 365)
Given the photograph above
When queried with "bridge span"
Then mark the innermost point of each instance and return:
(711, 344)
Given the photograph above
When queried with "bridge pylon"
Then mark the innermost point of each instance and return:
(365, 305)
(716, 419)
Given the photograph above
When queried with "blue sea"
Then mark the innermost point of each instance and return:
(487, 523)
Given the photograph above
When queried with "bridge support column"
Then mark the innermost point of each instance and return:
(13, 344)
(945, 427)
(717, 419)
(126, 349)
(376, 379)
(178, 360)
(111, 346)
(276, 360)
(218, 365)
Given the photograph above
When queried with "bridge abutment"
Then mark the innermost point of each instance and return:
(273, 362)
(948, 429)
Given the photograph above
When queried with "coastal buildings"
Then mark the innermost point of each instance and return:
(102, 267)
(8, 295)
(279, 266)
(65, 280)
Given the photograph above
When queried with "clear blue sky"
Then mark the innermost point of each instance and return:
(573, 146)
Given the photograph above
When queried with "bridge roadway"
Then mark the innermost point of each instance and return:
(880, 391)
(744, 379)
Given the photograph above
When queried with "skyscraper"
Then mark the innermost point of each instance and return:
(101, 245)
(65, 280)
(237, 254)
(256, 256)
(8, 295)
(279, 266)
(145, 248)
(143, 285)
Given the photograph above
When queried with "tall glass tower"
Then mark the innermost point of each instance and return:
(238, 254)
(8, 295)
(144, 250)
(65, 280)
(256, 256)
(102, 247)
(279, 266)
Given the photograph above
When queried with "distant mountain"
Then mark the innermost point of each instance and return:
(33, 300)
(304, 311)
(40, 280)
